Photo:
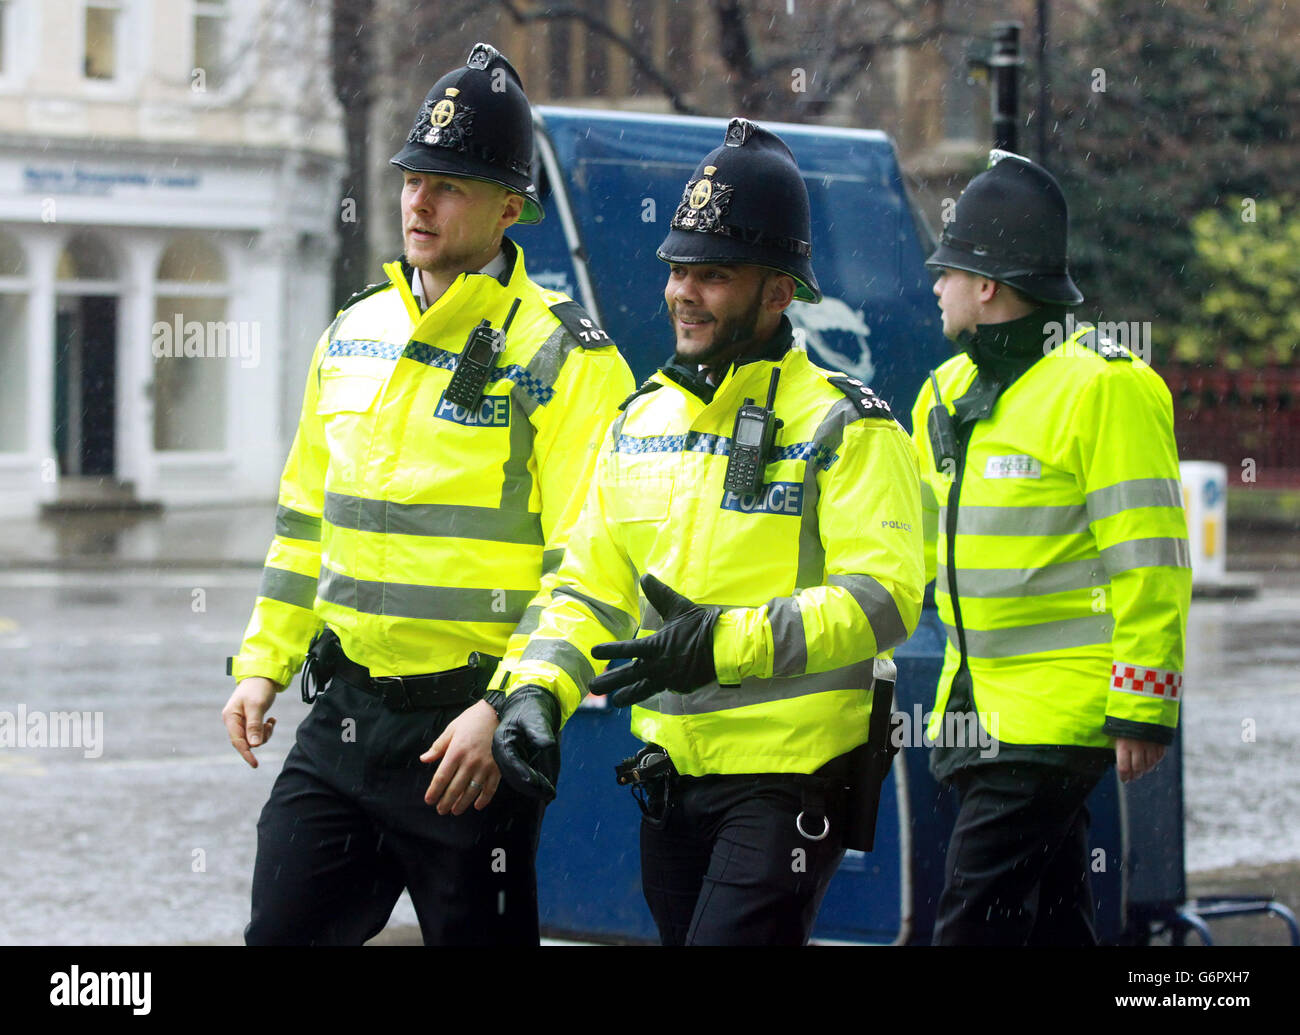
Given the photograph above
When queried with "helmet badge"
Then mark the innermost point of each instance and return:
(447, 124)
(703, 189)
(445, 110)
(704, 204)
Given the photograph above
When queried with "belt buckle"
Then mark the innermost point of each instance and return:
(384, 683)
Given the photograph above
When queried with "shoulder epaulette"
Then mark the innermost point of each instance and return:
(1112, 351)
(647, 386)
(867, 402)
(365, 292)
(578, 322)
(1109, 350)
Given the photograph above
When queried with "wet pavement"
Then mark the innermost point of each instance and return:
(144, 832)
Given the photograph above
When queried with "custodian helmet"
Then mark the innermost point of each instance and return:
(1012, 225)
(476, 123)
(747, 203)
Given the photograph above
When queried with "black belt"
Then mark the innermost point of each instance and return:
(462, 685)
(455, 686)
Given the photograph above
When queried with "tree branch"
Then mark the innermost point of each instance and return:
(600, 27)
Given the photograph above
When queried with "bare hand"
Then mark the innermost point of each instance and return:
(1133, 758)
(468, 775)
(243, 715)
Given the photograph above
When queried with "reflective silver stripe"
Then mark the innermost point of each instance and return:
(619, 625)
(812, 555)
(650, 620)
(544, 367)
(830, 432)
(616, 428)
(1037, 638)
(433, 519)
(811, 563)
(563, 655)
(1134, 493)
(551, 561)
(877, 605)
(826, 440)
(293, 524)
(715, 698)
(531, 619)
(533, 384)
(435, 603)
(789, 644)
(1027, 582)
(288, 587)
(1147, 553)
(1068, 519)
(516, 481)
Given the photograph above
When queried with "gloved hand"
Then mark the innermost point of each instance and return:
(526, 744)
(679, 657)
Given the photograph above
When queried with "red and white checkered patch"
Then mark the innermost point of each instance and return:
(1153, 682)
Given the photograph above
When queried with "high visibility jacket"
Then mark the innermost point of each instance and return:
(419, 530)
(821, 571)
(1060, 548)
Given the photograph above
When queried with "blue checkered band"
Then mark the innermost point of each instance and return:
(435, 357)
(700, 442)
(653, 444)
(692, 442)
(431, 357)
(539, 390)
(377, 349)
(810, 451)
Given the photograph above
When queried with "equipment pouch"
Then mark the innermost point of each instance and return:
(319, 665)
(651, 775)
(869, 763)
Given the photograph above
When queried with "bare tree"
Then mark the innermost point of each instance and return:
(351, 57)
(779, 58)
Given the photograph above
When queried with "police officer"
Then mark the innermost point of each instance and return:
(756, 518)
(1056, 530)
(447, 434)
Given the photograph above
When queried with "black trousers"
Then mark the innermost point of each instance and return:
(727, 865)
(1017, 867)
(346, 829)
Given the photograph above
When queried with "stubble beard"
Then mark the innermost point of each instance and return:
(732, 339)
(449, 265)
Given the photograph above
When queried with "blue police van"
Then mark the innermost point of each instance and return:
(610, 183)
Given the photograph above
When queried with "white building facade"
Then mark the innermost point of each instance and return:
(168, 206)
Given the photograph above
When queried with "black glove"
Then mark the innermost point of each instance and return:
(679, 657)
(526, 745)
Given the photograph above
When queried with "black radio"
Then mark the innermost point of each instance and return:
(477, 361)
(943, 434)
(751, 443)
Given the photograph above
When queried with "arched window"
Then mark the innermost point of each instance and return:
(191, 259)
(192, 346)
(13, 345)
(86, 325)
(86, 257)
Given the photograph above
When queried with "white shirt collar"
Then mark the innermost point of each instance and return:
(494, 268)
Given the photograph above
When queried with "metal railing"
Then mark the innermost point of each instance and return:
(1246, 419)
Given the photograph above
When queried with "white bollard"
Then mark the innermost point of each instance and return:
(1205, 497)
